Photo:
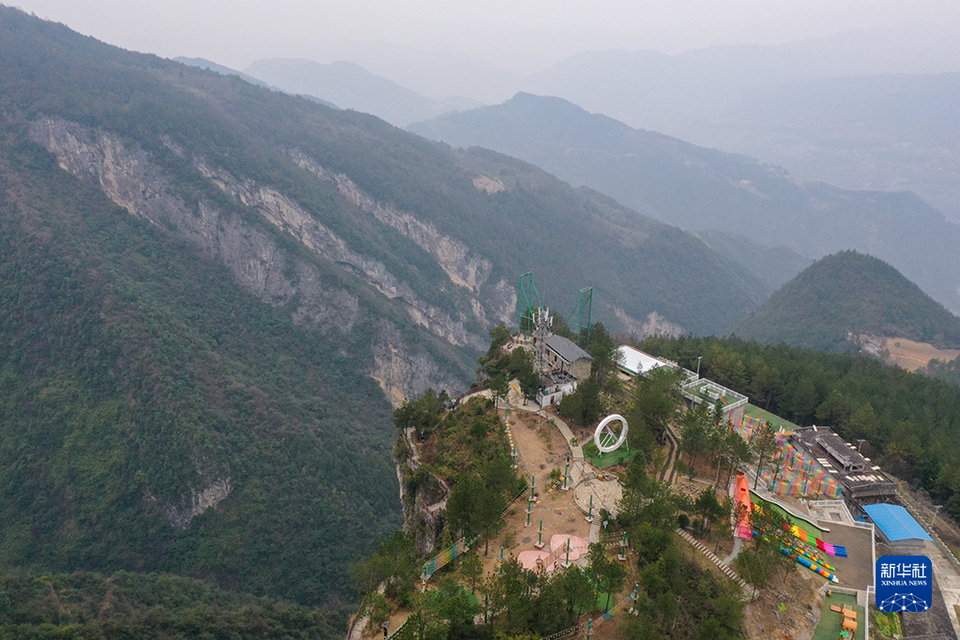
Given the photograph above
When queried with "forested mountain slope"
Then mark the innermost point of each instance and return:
(155, 416)
(700, 189)
(433, 230)
(213, 293)
(158, 607)
(846, 294)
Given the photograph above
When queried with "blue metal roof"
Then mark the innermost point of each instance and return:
(895, 522)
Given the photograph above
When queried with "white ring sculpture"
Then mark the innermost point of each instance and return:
(602, 428)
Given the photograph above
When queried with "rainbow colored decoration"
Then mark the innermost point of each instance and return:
(798, 475)
(446, 556)
(833, 550)
(804, 561)
(801, 548)
(747, 426)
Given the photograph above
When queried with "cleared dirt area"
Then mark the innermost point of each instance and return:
(540, 445)
(910, 355)
(788, 609)
(541, 449)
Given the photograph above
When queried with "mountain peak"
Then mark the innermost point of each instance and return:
(849, 293)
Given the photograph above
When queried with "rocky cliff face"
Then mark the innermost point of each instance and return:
(199, 501)
(464, 268)
(284, 278)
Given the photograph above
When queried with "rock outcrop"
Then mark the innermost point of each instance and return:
(277, 275)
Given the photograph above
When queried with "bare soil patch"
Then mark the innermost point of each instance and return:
(787, 609)
(540, 445)
(910, 355)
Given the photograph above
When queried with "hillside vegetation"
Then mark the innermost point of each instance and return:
(154, 607)
(909, 421)
(141, 386)
(514, 219)
(846, 294)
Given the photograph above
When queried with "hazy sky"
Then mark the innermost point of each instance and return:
(522, 34)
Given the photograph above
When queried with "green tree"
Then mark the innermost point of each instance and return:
(422, 414)
(472, 569)
(696, 427)
(522, 369)
(583, 405)
(499, 336)
(609, 574)
(762, 443)
(376, 607)
(605, 356)
(499, 388)
(474, 507)
(708, 508)
(654, 401)
(576, 591)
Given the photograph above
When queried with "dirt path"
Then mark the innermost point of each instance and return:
(541, 449)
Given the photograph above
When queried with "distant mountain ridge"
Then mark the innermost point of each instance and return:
(846, 294)
(670, 92)
(702, 189)
(203, 63)
(350, 86)
(756, 100)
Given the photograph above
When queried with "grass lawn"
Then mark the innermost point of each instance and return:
(888, 623)
(811, 529)
(604, 460)
(829, 626)
(770, 418)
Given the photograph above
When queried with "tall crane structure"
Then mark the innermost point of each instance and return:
(584, 305)
(526, 309)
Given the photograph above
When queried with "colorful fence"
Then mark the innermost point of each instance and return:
(445, 557)
(797, 474)
(748, 425)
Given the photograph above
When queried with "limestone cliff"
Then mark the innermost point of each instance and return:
(291, 218)
(463, 267)
(199, 501)
(274, 274)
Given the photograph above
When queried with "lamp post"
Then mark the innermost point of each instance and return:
(699, 358)
(860, 442)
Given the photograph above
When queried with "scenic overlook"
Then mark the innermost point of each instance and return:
(510, 321)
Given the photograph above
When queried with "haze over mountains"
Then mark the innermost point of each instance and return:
(887, 132)
(351, 86)
(705, 190)
(213, 292)
(861, 110)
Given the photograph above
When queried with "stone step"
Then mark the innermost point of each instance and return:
(727, 571)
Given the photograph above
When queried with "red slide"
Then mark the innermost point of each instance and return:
(744, 530)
